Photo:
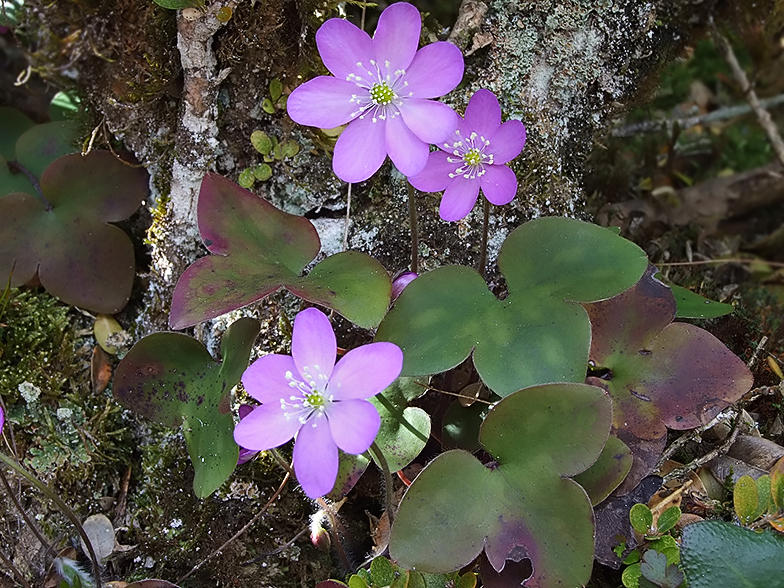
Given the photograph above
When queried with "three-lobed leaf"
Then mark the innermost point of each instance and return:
(660, 374)
(78, 256)
(173, 380)
(257, 249)
(538, 333)
(522, 505)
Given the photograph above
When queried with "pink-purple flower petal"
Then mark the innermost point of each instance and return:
(342, 45)
(354, 425)
(265, 379)
(323, 102)
(507, 141)
(267, 426)
(407, 151)
(360, 150)
(316, 457)
(435, 176)
(436, 70)
(499, 184)
(313, 346)
(400, 282)
(365, 371)
(432, 122)
(458, 199)
(483, 113)
(396, 38)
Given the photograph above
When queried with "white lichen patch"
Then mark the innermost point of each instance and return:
(30, 392)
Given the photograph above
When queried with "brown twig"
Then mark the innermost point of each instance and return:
(48, 546)
(236, 535)
(763, 116)
(17, 574)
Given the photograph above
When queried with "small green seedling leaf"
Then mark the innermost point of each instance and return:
(262, 172)
(668, 519)
(78, 256)
(549, 265)
(777, 484)
(64, 106)
(631, 576)
(257, 250)
(745, 499)
(660, 374)
(261, 142)
(715, 553)
(538, 437)
(764, 493)
(692, 305)
(105, 326)
(179, 4)
(247, 178)
(641, 518)
(267, 106)
(171, 379)
(275, 89)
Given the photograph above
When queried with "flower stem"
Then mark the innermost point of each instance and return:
(382, 463)
(412, 220)
(483, 251)
(66, 510)
(18, 168)
(348, 213)
(31, 524)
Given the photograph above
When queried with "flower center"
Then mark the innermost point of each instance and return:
(381, 94)
(307, 398)
(473, 157)
(470, 155)
(314, 399)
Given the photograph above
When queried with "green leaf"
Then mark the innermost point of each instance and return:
(745, 499)
(714, 553)
(247, 178)
(658, 572)
(668, 519)
(275, 89)
(641, 518)
(171, 379)
(549, 264)
(267, 106)
(608, 472)
(262, 172)
(404, 430)
(537, 437)
(257, 250)
(179, 4)
(692, 305)
(460, 429)
(64, 106)
(764, 492)
(261, 142)
(631, 576)
(78, 256)
(382, 571)
(660, 374)
(13, 123)
(777, 484)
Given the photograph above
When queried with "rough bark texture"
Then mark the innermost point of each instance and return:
(565, 68)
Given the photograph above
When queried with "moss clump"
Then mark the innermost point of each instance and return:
(36, 344)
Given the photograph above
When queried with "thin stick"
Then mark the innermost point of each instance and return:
(763, 116)
(239, 533)
(412, 221)
(731, 260)
(31, 524)
(19, 577)
(483, 251)
(388, 491)
(348, 214)
(362, 18)
(277, 550)
(455, 394)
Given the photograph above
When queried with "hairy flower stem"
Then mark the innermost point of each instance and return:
(483, 251)
(412, 220)
(382, 463)
(66, 510)
(348, 216)
(19, 577)
(17, 167)
(31, 524)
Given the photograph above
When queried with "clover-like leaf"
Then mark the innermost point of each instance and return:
(537, 334)
(523, 505)
(608, 472)
(660, 374)
(67, 240)
(257, 250)
(171, 378)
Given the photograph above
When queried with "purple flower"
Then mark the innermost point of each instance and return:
(400, 282)
(2, 419)
(474, 158)
(382, 86)
(323, 404)
(245, 454)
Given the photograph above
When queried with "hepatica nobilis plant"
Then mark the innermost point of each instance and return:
(518, 462)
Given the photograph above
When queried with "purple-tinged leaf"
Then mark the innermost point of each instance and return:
(257, 250)
(608, 472)
(77, 255)
(171, 378)
(661, 374)
(523, 505)
(13, 123)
